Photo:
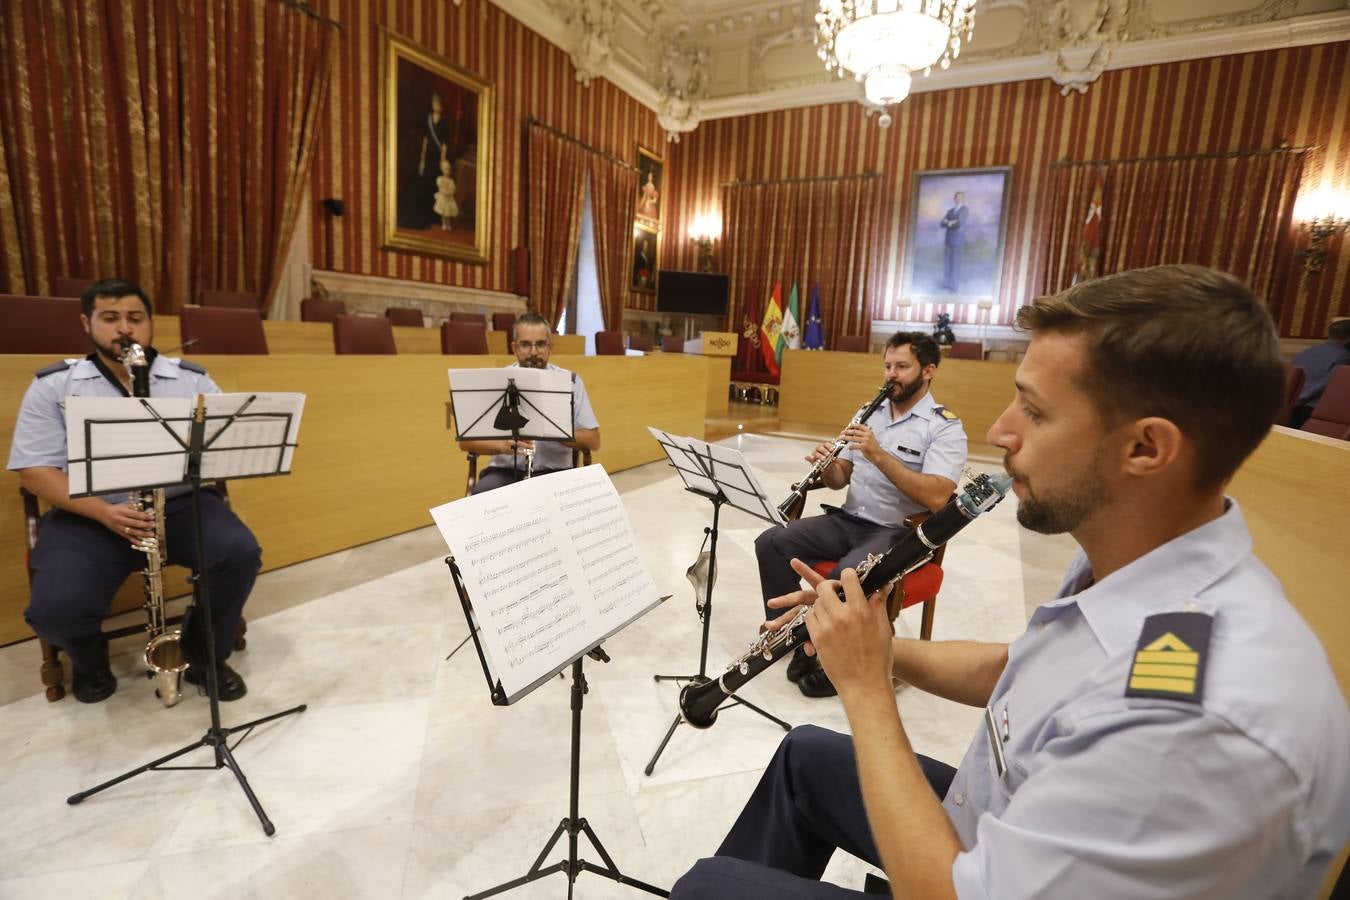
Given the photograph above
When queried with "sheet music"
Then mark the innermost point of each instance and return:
(260, 440)
(546, 401)
(552, 568)
(685, 458)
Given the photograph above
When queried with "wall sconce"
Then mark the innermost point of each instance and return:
(704, 232)
(1323, 214)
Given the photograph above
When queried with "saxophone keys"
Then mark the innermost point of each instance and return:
(744, 668)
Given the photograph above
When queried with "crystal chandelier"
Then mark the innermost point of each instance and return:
(881, 42)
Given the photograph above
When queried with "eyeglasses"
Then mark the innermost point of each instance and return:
(527, 346)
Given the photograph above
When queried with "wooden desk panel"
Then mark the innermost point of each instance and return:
(417, 340)
(826, 388)
(374, 453)
(719, 385)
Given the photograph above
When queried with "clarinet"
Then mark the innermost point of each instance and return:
(792, 506)
(699, 702)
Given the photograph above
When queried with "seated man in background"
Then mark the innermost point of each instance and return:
(1166, 726)
(85, 548)
(1319, 361)
(532, 341)
(906, 458)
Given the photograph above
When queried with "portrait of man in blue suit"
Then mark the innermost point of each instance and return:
(954, 226)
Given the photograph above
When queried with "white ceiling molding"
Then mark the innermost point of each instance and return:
(696, 60)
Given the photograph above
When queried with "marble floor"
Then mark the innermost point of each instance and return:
(401, 779)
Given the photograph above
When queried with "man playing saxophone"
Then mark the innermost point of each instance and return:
(905, 458)
(88, 546)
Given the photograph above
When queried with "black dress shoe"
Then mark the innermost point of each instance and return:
(800, 664)
(816, 684)
(96, 686)
(229, 683)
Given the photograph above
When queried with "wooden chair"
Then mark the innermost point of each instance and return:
(404, 315)
(321, 309)
(463, 338)
(476, 318)
(1331, 415)
(967, 350)
(503, 321)
(641, 342)
(672, 344)
(50, 671)
(1294, 379)
(363, 334)
(223, 330)
(42, 325)
(70, 287)
(851, 343)
(578, 456)
(609, 343)
(229, 299)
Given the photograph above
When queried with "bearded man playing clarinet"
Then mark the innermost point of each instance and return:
(88, 546)
(904, 458)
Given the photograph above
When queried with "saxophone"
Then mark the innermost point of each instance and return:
(163, 649)
(700, 701)
(792, 506)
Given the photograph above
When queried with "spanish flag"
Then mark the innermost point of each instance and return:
(769, 329)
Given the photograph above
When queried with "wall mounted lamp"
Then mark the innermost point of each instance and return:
(704, 232)
(1323, 214)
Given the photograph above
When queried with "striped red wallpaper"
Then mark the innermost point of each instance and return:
(1247, 101)
(532, 78)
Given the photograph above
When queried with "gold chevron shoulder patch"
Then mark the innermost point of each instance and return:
(1169, 661)
(945, 413)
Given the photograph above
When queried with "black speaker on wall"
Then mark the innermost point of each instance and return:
(333, 206)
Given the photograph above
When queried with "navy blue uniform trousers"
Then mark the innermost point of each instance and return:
(494, 477)
(807, 804)
(836, 535)
(79, 565)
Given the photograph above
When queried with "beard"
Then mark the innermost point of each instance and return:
(901, 392)
(533, 362)
(1064, 509)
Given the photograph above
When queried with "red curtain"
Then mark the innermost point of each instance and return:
(556, 176)
(808, 231)
(1232, 213)
(614, 190)
(166, 141)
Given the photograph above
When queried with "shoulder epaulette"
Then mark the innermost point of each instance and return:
(946, 413)
(55, 367)
(191, 366)
(1169, 661)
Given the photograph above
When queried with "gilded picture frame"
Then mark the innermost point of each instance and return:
(438, 148)
(651, 186)
(958, 222)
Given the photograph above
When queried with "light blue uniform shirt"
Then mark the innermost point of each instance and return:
(1245, 794)
(40, 432)
(924, 440)
(550, 455)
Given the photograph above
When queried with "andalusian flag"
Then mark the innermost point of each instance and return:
(815, 326)
(770, 330)
(792, 330)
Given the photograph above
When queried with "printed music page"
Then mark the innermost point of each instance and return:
(551, 567)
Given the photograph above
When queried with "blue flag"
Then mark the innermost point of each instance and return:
(814, 336)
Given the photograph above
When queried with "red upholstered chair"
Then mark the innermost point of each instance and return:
(70, 287)
(641, 342)
(503, 321)
(851, 343)
(321, 309)
(1331, 415)
(230, 299)
(967, 350)
(404, 316)
(463, 338)
(609, 343)
(363, 335)
(222, 330)
(920, 586)
(477, 318)
(50, 670)
(48, 325)
(672, 344)
(1294, 379)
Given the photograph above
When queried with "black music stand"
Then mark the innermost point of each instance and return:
(573, 824)
(721, 475)
(261, 444)
(520, 402)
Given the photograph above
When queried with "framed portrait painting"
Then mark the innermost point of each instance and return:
(651, 186)
(437, 145)
(646, 242)
(957, 222)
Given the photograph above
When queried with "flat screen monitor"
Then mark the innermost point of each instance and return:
(703, 293)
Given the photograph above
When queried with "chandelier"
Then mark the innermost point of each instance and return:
(882, 42)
